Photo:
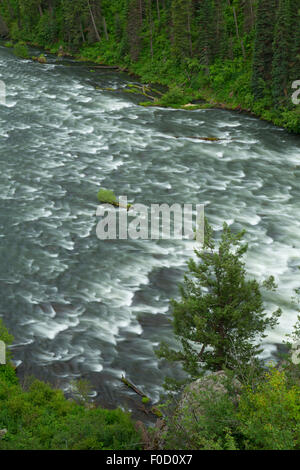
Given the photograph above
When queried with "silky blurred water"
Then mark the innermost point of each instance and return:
(81, 307)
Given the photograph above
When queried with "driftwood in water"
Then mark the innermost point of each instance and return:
(133, 387)
(209, 139)
(116, 204)
(112, 67)
(152, 410)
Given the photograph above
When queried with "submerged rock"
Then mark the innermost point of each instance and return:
(41, 59)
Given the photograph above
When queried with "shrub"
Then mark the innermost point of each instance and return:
(175, 96)
(43, 419)
(21, 50)
(107, 196)
(270, 414)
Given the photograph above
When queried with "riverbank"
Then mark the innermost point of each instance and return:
(226, 95)
(173, 95)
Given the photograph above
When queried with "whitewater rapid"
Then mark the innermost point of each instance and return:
(81, 307)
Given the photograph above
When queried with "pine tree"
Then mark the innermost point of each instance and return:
(134, 27)
(295, 52)
(282, 48)
(181, 21)
(263, 46)
(220, 314)
(206, 31)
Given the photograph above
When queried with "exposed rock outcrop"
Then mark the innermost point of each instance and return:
(209, 387)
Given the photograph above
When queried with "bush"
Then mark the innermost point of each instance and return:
(174, 97)
(107, 196)
(43, 419)
(6, 337)
(270, 415)
(21, 50)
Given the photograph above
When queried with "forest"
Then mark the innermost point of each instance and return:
(236, 54)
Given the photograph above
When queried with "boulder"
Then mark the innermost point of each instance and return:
(212, 385)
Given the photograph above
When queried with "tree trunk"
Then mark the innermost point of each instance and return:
(158, 10)
(238, 33)
(151, 27)
(105, 28)
(82, 33)
(141, 11)
(190, 34)
(94, 23)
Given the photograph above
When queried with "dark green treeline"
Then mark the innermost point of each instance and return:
(246, 51)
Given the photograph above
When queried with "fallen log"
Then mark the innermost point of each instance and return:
(209, 139)
(133, 387)
(111, 67)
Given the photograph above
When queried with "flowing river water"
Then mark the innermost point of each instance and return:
(81, 307)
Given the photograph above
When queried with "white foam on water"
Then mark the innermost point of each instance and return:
(76, 140)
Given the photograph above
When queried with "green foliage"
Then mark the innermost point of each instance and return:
(242, 54)
(81, 390)
(8, 374)
(282, 51)
(206, 421)
(174, 97)
(270, 415)
(220, 316)
(181, 20)
(107, 196)
(291, 120)
(265, 416)
(263, 46)
(41, 418)
(6, 337)
(21, 50)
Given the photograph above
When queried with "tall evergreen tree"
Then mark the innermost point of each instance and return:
(263, 46)
(295, 31)
(206, 31)
(282, 49)
(134, 27)
(181, 21)
(220, 314)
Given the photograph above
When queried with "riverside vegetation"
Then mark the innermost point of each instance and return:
(217, 323)
(235, 54)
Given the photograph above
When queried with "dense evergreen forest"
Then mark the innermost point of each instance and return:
(240, 54)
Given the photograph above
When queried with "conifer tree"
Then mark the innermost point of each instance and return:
(295, 51)
(220, 315)
(263, 46)
(181, 21)
(282, 48)
(206, 31)
(134, 26)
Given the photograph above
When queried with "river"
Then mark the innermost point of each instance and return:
(81, 307)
